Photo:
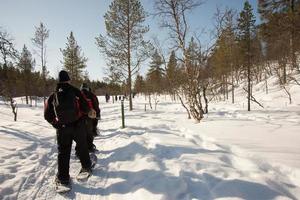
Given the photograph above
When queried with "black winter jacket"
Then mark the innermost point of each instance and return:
(49, 113)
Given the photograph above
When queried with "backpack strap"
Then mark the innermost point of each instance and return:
(55, 103)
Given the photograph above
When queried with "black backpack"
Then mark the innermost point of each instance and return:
(66, 106)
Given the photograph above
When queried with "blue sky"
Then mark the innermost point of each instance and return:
(85, 19)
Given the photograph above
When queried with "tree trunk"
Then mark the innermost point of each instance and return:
(187, 110)
(205, 100)
(14, 108)
(284, 73)
(288, 93)
(226, 86)
(223, 88)
(248, 71)
(292, 39)
(249, 86)
(282, 65)
(129, 56)
(30, 101)
(45, 93)
(130, 91)
(150, 104)
(43, 71)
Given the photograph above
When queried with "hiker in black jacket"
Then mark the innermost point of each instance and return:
(65, 110)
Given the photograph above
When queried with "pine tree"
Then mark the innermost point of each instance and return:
(156, 73)
(73, 60)
(223, 60)
(246, 27)
(39, 41)
(280, 30)
(171, 73)
(26, 64)
(285, 15)
(9, 75)
(124, 46)
(139, 84)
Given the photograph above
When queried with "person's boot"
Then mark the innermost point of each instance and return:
(84, 174)
(62, 186)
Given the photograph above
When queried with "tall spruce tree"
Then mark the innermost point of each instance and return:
(231, 47)
(73, 60)
(26, 64)
(223, 60)
(39, 41)
(172, 73)
(139, 84)
(124, 46)
(155, 74)
(281, 19)
(246, 28)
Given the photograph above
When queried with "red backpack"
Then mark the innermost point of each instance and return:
(89, 101)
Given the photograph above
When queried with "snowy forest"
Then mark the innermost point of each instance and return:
(245, 74)
(241, 52)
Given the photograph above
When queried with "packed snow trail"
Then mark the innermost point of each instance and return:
(159, 155)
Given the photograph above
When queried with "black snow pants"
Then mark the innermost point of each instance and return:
(95, 124)
(90, 134)
(65, 137)
(88, 123)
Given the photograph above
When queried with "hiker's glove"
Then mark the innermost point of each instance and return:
(92, 114)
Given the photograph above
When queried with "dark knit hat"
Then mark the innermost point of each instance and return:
(63, 76)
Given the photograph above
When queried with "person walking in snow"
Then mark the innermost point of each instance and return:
(64, 110)
(107, 97)
(98, 113)
(93, 104)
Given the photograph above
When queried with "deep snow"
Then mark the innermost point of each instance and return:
(231, 154)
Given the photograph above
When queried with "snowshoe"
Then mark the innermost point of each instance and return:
(93, 158)
(61, 187)
(84, 173)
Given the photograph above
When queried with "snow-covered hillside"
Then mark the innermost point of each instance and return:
(231, 154)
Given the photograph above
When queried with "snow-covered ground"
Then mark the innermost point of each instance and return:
(231, 154)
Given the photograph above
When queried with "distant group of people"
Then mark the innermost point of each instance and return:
(116, 97)
(74, 114)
